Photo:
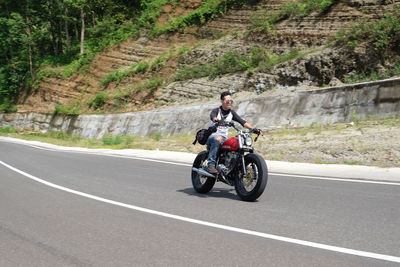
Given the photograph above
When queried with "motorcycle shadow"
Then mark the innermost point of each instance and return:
(214, 193)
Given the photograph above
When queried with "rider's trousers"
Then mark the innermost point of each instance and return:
(213, 146)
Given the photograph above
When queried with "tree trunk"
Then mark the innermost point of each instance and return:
(28, 33)
(82, 31)
(67, 37)
(52, 30)
(76, 32)
(94, 21)
(60, 37)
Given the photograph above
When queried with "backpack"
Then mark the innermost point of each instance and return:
(203, 134)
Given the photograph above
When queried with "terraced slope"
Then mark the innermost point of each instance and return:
(302, 33)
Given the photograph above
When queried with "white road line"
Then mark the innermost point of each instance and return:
(189, 165)
(333, 179)
(210, 224)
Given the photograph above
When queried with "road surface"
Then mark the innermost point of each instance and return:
(62, 208)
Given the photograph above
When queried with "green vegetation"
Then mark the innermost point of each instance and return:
(112, 141)
(98, 101)
(304, 8)
(266, 20)
(381, 33)
(8, 129)
(34, 34)
(372, 75)
(150, 85)
(232, 61)
(142, 67)
(208, 10)
(71, 109)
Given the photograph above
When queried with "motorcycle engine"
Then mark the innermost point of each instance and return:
(227, 161)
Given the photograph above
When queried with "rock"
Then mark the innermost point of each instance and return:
(335, 82)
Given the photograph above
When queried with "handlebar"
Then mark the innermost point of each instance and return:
(231, 124)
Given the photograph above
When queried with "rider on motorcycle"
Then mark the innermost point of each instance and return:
(219, 116)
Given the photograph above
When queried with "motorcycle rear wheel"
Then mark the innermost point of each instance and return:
(251, 187)
(201, 184)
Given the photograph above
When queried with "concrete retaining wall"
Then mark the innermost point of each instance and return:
(335, 104)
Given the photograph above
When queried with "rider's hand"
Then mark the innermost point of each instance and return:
(257, 131)
(220, 123)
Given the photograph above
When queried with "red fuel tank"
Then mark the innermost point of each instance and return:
(231, 144)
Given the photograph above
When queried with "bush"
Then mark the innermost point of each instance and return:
(78, 64)
(116, 76)
(8, 107)
(110, 141)
(8, 129)
(142, 67)
(158, 63)
(372, 75)
(156, 136)
(71, 109)
(98, 101)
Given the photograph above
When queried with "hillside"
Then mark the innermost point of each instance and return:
(254, 47)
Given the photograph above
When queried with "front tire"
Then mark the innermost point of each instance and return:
(251, 187)
(201, 184)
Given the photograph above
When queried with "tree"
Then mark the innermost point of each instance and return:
(82, 6)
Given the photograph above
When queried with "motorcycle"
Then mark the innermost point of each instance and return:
(237, 166)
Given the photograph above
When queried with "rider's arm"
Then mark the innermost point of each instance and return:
(214, 115)
(244, 123)
(237, 118)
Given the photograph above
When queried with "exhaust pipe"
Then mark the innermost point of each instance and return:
(203, 172)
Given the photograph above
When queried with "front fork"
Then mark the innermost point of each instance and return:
(244, 167)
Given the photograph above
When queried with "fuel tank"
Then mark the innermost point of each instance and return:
(231, 144)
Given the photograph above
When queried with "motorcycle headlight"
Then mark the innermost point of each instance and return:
(248, 141)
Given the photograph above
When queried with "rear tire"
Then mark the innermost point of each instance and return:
(201, 184)
(251, 188)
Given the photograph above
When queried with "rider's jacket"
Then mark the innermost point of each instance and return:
(228, 116)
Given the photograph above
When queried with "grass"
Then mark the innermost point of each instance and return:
(267, 19)
(232, 61)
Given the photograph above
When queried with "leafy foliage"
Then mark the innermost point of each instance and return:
(33, 33)
(372, 75)
(98, 101)
(70, 109)
(208, 10)
(380, 33)
(233, 61)
(267, 19)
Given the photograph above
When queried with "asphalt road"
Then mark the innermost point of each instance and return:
(105, 212)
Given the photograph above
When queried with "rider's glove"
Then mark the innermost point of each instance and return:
(256, 131)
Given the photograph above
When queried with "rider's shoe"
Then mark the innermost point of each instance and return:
(212, 169)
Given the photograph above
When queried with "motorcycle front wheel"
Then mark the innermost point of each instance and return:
(202, 184)
(251, 187)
